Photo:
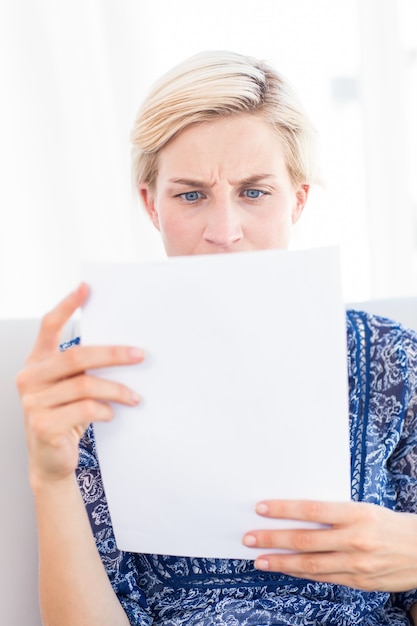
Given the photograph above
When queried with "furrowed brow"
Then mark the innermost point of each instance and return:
(257, 178)
(188, 182)
(249, 180)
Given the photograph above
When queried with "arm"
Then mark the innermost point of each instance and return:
(74, 588)
(59, 401)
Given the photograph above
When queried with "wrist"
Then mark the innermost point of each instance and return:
(42, 483)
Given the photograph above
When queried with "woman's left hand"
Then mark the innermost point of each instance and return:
(364, 546)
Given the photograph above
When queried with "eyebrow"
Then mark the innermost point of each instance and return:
(249, 180)
(188, 182)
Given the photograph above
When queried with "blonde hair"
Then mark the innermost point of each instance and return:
(217, 83)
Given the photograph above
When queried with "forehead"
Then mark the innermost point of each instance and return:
(241, 145)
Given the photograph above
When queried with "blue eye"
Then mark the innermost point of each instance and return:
(253, 194)
(191, 196)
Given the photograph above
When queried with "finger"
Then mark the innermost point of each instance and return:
(50, 425)
(336, 568)
(74, 362)
(309, 510)
(52, 323)
(80, 388)
(305, 565)
(296, 540)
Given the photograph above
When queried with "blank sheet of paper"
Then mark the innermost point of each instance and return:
(244, 394)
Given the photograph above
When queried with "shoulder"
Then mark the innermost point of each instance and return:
(382, 347)
(374, 329)
(357, 316)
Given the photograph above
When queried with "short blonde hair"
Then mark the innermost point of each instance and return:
(218, 83)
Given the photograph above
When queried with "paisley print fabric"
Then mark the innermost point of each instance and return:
(179, 591)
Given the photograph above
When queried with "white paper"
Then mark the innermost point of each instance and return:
(244, 394)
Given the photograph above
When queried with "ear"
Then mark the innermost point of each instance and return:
(301, 195)
(148, 200)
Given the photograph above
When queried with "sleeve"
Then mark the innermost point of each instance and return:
(120, 566)
(403, 462)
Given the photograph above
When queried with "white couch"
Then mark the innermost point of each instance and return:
(18, 553)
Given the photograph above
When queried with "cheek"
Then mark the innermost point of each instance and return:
(275, 231)
(279, 216)
(179, 234)
(171, 223)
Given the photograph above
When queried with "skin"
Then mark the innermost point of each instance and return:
(366, 546)
(59, 400)
(208, 198)
(202, 202)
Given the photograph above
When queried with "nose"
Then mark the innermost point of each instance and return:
(223, 226)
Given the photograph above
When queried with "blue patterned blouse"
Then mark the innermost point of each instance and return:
(178, 591)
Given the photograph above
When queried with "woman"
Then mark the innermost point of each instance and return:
(223, 159)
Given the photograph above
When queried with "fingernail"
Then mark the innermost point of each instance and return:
(135, 398)
(249, 540)
(80, 287)
(136, 354)
(262, 508)
(262, 564)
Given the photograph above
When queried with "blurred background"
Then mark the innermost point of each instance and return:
(74, 73)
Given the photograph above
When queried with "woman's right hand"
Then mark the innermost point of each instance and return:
(60, 399)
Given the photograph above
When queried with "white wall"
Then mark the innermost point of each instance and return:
(74, 74)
